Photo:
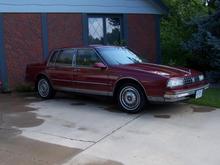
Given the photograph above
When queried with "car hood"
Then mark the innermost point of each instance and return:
(162, 70)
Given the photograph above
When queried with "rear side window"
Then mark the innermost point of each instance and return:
(65, 58)
(53, 58)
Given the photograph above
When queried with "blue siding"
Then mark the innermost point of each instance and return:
(85, 29)
(3, 67)
(125, 27)
(44, 35)
(82, 6)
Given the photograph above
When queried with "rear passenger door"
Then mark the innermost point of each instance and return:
(60, 69)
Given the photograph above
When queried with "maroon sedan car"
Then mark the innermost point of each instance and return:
(117, 72)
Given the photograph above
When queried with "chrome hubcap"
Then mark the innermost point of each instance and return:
(43, 88)
(130, 98)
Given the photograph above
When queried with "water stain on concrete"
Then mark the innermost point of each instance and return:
(45, 116)
(99, 161)
(202, 109)
(15, 149)
(162, 116)
(22, 119)
(24, 151)
(78, 104)
(113, 108)
(82, 129)
(69, 125)
(7, 132)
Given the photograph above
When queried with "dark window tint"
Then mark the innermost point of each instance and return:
(113, 30)
(65, 58)
(87, 58)
(53, 57)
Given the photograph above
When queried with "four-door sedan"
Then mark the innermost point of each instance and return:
(117, 72)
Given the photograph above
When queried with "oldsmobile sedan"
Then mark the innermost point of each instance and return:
(117, 72)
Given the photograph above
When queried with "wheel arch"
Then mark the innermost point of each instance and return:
(127, 80)
(41, 75)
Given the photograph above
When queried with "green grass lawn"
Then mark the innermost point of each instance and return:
(210, 98)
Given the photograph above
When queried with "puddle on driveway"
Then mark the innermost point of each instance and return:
(6, 133)
(22, 119)
(69, 125)
(24, 151)
(107, 162)
(112, 108)
(78, 104)
(162, 116)
(15, 113)
(16, 149)
(92, 160)
(202, 109)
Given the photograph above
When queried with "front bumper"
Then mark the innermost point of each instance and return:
(178, 96)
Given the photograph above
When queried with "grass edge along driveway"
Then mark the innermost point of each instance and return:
(211, 98)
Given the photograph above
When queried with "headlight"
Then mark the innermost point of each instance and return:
(175, 82)
(201, 77)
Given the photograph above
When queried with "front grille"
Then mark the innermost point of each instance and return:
(191, 80)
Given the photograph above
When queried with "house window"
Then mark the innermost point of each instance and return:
(104, 30)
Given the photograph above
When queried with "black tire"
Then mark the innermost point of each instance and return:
(44, 88)
(131, 98)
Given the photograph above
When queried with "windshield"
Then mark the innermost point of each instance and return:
(119, 56)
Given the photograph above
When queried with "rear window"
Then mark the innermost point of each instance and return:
(53, 58)
(65, 57)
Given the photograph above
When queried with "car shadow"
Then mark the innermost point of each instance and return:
(165, 110)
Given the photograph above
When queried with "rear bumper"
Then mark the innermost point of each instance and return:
(178, 96)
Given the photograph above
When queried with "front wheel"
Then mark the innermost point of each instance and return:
(131, 98)
(45, 89)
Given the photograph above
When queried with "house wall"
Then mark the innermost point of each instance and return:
(24, 42)
(142, 35)
(64, 30)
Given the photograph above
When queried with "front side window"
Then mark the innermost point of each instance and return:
(65, 57)
(104, 30)
(86, 58)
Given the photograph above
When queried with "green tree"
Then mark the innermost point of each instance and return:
(204, 44)
(174, 30)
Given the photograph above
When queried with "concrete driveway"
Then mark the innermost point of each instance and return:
(91, 131)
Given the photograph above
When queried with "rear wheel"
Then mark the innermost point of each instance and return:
(131, 98)
(44, 88)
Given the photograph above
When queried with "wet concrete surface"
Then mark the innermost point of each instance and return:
(24, 151)
(18, 150)
(85, 130)
(162, 116)
(202, 109)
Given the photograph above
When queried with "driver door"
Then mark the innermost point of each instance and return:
(90, 79)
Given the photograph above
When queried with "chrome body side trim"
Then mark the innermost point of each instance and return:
(84, 91)
(92, 83)
(178, 96)
(84, 82)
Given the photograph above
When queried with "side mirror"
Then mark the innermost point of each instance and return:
(100, 65)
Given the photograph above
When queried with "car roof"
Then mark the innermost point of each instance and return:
(89, 46)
